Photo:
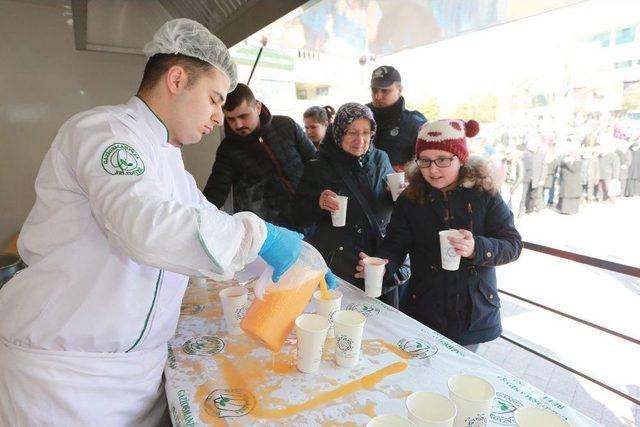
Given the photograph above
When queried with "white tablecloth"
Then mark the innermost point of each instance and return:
(213, 378)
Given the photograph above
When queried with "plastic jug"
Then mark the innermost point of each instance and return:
(271, 316)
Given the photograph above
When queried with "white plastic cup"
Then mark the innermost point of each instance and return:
(535, 417)
(373, 274)
(326, 308)
(427, 409)
(450, 259)
(311, 332)
(349, 326)
(339, 217)
(234, 304)
(395, 182)
(473, 397)
(389, 420)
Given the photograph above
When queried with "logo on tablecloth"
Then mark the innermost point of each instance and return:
(366, 309)
(476, 421)
(344, 343)
(503, 409)
(231, 402)
(418, 348)
(203, 345)
(189, 309)
(533, 396)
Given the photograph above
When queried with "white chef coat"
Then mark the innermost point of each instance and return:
(117, 227)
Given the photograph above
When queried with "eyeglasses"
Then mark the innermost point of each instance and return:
(441, 162)
(353, 134)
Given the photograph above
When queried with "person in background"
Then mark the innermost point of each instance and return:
(262, 157)
(570, 189)
(551, 161)
(511, 189)
(625, 156)
(347, 162)
(608, 166)
(633, 178)
(590, 169)
(316, 121)
(117, 228)
(535, 171)
(449, 190)
(397, 126)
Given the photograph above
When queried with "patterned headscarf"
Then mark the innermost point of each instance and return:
(346, 115)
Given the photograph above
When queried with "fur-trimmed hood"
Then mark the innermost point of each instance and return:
(477, 173)
(480, 174)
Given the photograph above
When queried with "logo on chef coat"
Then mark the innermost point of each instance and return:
(122, 159)
(503, 409)
(367, 309)
(418, 348)
(231, 402)
(203, 345)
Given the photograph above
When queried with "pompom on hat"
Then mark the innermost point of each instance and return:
(447, 135)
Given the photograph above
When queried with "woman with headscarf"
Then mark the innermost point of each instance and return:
(346, 154)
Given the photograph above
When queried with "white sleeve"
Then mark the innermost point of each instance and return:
(119, 175)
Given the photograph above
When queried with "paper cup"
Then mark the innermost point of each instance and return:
(339, 217)
(473, 397)
(427, 409)
(234, 306)
(326, 308)
(535, 417)
(395, 181)
(389, 421)
(450, 259)
(373, 275)
(311, 331)
(349, 326)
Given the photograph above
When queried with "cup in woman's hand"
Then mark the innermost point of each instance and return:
(339, 217)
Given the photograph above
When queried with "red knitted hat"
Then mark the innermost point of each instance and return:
(447, 135)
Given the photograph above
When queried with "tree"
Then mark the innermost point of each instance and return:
(430, 108)
(482, 108)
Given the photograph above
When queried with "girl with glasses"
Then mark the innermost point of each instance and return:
(449, 190)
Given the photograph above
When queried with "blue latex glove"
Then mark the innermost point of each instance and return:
(330, 278)
(281, 249)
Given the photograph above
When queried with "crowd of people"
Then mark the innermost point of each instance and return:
(542, 172)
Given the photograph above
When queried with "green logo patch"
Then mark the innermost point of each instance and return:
(122, 159)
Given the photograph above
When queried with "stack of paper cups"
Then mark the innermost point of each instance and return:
(311, 332)
(373, 274)
(395, 182)
(234, 306)
(450, 259)
(339, 217)
(473, 397)
(349, 326)
(326, 308)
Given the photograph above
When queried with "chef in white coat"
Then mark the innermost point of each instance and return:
(117, 228)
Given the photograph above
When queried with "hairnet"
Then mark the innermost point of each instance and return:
(190, 38)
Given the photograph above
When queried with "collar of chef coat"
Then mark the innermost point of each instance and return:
(141, 110)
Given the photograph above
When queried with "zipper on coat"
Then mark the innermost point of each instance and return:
(151, 310)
